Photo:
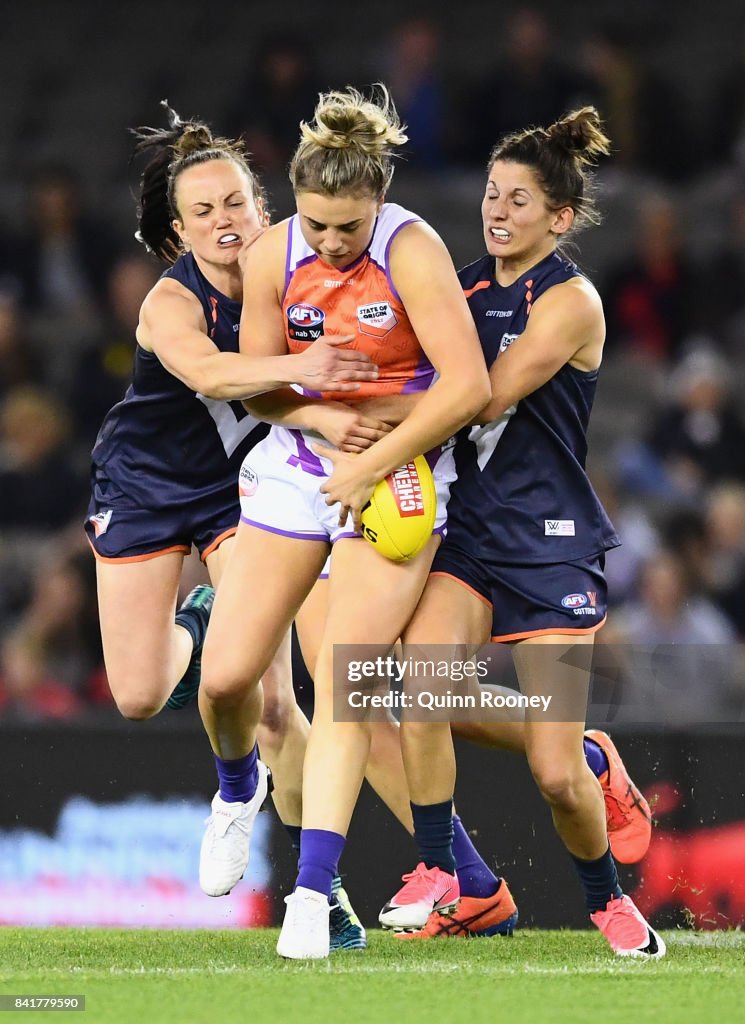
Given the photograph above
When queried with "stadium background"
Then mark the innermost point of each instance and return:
(100, 819)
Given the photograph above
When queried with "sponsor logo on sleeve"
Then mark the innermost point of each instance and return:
(305, 322)
(248, 481)
(558, 527)
(376, 319)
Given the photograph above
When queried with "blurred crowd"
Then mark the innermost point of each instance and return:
(672, 476)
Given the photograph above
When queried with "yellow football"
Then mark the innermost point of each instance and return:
(399, 518)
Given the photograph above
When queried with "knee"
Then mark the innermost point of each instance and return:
(425, 735)
(558, 785)
(138, 706)
(224, 687)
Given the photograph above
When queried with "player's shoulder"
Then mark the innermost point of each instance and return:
(577, 291)
(481, 269)
(267, 256)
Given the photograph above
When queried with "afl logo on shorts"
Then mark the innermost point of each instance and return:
(574, 601)
(304, 322)
(248, 481)
(376, 319)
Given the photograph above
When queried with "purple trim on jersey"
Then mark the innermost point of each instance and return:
(433, 456)
(353, 264)
(284, 533)
(347, 535)
(422, 379)
(308, 462)
(288, 272)
(413, 220)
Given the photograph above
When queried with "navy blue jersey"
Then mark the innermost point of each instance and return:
(522, 494)
(164, 440)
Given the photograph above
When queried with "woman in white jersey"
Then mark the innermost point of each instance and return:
(348, 262)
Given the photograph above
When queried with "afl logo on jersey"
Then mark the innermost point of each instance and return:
(305, 322)
(574, 601)
(376, 319)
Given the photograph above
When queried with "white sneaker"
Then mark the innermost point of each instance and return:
(305, 930)
(223, 858)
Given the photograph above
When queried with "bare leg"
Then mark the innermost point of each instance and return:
(338, 751)
(385, 770)
(249, 622)
(555, 751)
(447, 614)
(145, 652)
(283, 735)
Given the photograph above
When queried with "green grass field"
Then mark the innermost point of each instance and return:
(159, 977)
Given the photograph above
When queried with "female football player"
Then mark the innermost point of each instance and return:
(523, 559)
(166, 461)
(349, 262)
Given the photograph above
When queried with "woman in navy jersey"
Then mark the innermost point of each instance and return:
(523, 559)
(166, 460)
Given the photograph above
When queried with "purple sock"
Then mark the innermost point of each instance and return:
(238, 779)
(319, 856)
(475, 878)
(595, 757)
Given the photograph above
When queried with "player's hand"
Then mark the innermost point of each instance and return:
(349, 484)
(347, 427)
(326, 366)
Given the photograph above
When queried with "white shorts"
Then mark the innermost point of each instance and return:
(280, 483)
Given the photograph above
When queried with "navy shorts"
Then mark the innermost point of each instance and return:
(124, 531)
(531, 600)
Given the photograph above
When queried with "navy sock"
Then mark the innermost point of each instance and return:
(475, 878)
(599, 880)
(319, 856)
(433, 834)
(239, 778)
(595, 757)
(194, 621)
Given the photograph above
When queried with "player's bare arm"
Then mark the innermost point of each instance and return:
(566, 325)
(422, 269)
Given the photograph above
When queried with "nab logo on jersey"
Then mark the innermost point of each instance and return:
(305, 322)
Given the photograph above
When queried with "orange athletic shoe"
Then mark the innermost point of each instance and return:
(627, 813)
(426, 889)
(472, 918)
(626, 930)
